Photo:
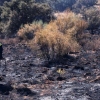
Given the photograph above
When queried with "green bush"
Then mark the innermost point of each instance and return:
(19, 12)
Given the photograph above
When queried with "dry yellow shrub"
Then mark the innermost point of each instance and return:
(51, 42)
(70, 23)
(59, 36)
(27, 32)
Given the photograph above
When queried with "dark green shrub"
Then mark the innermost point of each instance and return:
(19, 12)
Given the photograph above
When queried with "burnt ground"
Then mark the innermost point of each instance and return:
(24, 76)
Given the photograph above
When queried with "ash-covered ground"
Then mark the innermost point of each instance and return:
(24, 76)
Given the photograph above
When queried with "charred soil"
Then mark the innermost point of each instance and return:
(24, 76)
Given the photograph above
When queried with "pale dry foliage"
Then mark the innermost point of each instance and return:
(51, 42)
(70, 23)
(59, 37)
(27, 32)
